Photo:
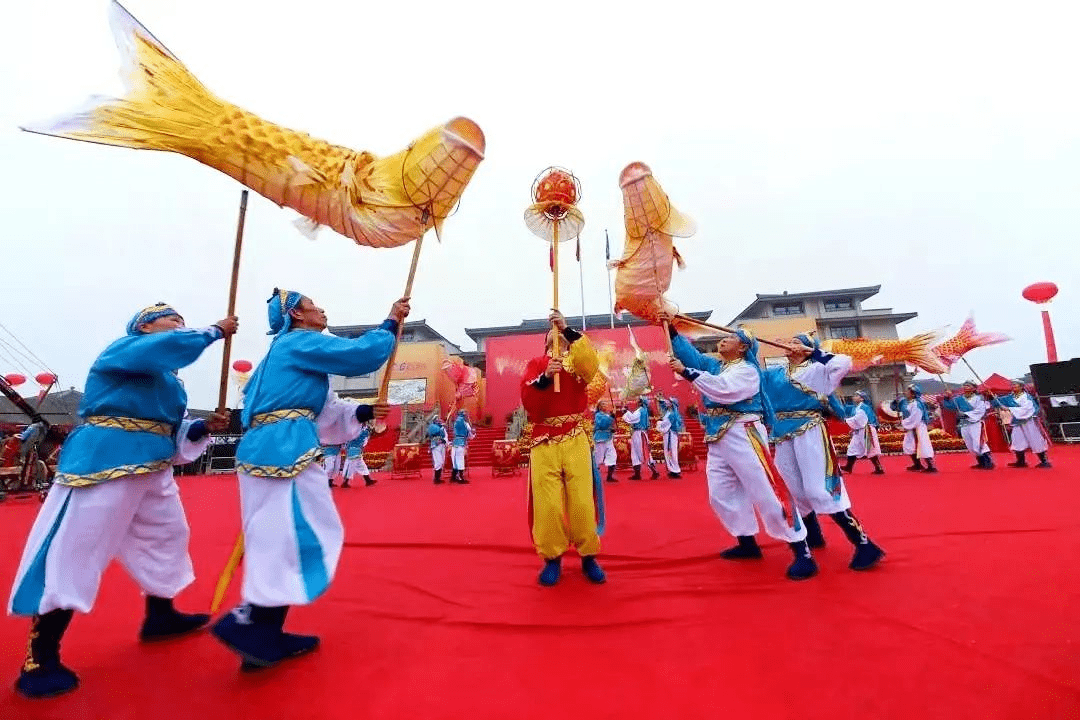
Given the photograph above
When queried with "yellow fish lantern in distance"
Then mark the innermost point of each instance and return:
(379, 202)
(600, 385)
(643, 274)
(917, 351)
(966, 339)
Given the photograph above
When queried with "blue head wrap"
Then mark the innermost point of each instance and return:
(674, 402)
(809, 340)
(864, 395)
(871, 414)
(148, 315)
(917, 392)
(751, 356)
(277, 310)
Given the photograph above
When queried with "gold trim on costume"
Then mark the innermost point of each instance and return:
(551, 438)
(279, 471)
(278, 415)
(97, 478)
(817, 419)
(131, 424)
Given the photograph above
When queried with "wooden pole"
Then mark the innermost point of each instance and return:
(556, 348)
(981, 382)
(223, 388)
(721, 328)
(384, 387)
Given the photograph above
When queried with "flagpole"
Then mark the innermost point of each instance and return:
(607, 257)
(581, 281)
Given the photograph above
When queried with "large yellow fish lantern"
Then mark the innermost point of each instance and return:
(378, 202)
(643, 274)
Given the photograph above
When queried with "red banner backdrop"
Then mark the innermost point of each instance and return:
(507, 356)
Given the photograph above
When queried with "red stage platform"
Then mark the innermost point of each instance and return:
(436, 613)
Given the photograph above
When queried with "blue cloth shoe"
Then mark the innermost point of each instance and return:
(46, 681)
(164, 622)
(804, 566)
(551, 572)
(257, 643)
(592, 570)
(867, 555)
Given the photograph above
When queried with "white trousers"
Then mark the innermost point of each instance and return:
(1028, 436)
(604, 453)
(639, 448)
(804, 462)
(457, 456)
(738, 470)
(917, 442)
(671, 451)
(864, 443)
(330, 465)
(438, 456)
(292, 537)
(974, 438)
(78, 531)
(356, 466)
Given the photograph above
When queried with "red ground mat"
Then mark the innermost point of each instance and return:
(435, 611)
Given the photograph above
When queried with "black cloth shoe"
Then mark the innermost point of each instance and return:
(551, 572)
(747, 549)
(438, 477)
(1043, 462)
(291, 645)
(637, 473)
(459, 478)
(655, 472)
(930, 466)
(849, 466)
(43, 675)
(804, 567)
(814, 538)
(345, 484)
(592, 570)
(611, 474)
(674, 476)
(332, 483)
(164, 622)
(1021, 459)
(368, 481)
(916, 464)
(878, 469)
(253, 633)
(988, 461)
(866, 556)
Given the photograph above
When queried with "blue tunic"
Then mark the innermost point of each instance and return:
(795, 405)
(132, 408)
(461, 431)
(721, 416)
(675, 421)
(603, 426)
(289, 389)
(436, 433)
(643, 417)
(355, 448)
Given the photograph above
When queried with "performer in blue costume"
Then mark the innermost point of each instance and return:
(670, 425)
(740, 472)
(863, 421)
(638, 420)
(971, 412)
(463, 433)
(292, 532)
(437, 441)
(1028, 432)
(354, 459)
(800, 394)
(603, 445)
(914, 419)
(114, 495)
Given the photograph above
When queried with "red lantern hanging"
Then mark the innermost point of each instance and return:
(557, 186)
(242, 366)
(15, 379)
(1040, 292)
(45, 378)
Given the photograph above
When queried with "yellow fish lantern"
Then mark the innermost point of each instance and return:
(600, 385)
(379, 202)
(917, 351)
(643, 274)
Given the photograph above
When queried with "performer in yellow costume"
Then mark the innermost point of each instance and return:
(565, 493)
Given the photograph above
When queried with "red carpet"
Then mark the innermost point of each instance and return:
(435, 612)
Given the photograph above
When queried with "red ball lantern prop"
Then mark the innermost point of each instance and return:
(45, 378)
(242, 366)
(15, 379)
(1041, 293)
(557, 187)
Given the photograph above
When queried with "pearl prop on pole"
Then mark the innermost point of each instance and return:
(1041, 293)
(554, 217)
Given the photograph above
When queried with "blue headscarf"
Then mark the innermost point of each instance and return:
(149, 315)
(277, 310)
(917, 392)
(809, 340)
(751, 356)
(871, 414)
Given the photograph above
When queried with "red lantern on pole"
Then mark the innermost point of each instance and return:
(45, 378)
(1041, 293)
(15, 379)
(242, 366)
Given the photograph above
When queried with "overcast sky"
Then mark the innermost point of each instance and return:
(929, 147)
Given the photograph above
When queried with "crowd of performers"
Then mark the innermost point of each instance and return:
(115, 482)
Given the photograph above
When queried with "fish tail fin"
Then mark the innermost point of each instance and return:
(163, 99)
(919, 352)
